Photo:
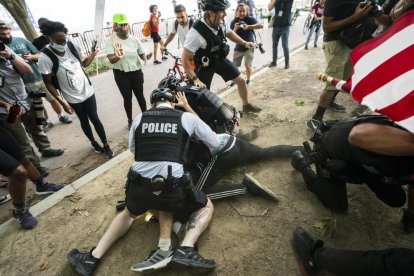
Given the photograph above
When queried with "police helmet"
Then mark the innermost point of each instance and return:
(161, 94)
(171, 82)
(215, 5)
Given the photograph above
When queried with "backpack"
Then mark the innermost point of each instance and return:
(146, 29)
(55, 61)
(176, 24)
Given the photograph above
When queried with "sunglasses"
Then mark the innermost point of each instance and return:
(123, 25)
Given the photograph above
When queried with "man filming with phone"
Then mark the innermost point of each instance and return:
(244, 25)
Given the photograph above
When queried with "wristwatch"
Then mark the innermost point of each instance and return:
(12, 56)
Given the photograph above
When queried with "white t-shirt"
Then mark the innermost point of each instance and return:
(193, 125)
(73, 83)
(182, 31)
(194, 40)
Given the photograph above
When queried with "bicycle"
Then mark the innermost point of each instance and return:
(177, 68)
(294, 17)
(307, 24)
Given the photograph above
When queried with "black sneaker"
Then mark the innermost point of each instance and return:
(253, 187)
(189, 257)
(306, 47)
(314, 124)
(408, 221)
(287, 66)
(272, 64)
(47, 126)
(298, 161)
(52, 152)
(42, 170)
(48, 188)
(337, 107)
(251, 108)
(96, 147)
(25, 218)
(5, 198)
(157, 259)
(83, 262)
(64, 119)
(108, 152)
(305, 246)
(157, 62)
(164, 58)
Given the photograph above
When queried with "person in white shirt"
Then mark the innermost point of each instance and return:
(72, 81)
(181, 26)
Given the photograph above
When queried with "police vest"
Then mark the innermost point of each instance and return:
(334, 144)
(217, 48)
(160, 136)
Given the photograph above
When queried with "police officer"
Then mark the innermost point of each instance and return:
(371, 150)
(158, 139)
(206, 43)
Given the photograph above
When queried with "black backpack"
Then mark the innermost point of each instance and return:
(55, 62)
(176, 24)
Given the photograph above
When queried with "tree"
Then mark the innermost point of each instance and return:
(17, 9)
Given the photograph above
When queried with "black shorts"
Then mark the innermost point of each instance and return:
(10, 153)
(140, 197)
(155, 37)
(226, 69)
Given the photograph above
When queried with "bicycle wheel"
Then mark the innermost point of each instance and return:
(307, 24)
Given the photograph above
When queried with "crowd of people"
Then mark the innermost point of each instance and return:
(178, 158)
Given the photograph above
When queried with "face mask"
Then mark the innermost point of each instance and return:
(58, 47)
(121, 32)
(7, 40)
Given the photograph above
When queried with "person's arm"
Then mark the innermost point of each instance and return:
(200, 130)
(271, 5)
(256, 26)
(156, 19)
(88, 60)
(382, 139)
(169, 39)
(186, 60)
(19, 64)
(237, 39)
(330, 25)
(400, 8)
(183, 103)
(47, 79)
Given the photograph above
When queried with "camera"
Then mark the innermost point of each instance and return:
(2, 46)
(260, 45)
(38, 106)
(242, 24)
(376, 10)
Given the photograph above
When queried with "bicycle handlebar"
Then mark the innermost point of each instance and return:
(174, 57)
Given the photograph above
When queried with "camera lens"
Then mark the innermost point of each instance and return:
(2, 46)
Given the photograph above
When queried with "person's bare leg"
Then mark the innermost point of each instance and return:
(242, 88)
(166, 222)
(155, 50)
(119, 226)
(32, 172)
(161, 51)
(199, 221)
(17, 185)
(326, 98)
(248, 71)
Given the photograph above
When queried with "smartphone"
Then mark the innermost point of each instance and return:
(94, 43)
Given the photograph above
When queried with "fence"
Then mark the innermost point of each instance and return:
(86, 39)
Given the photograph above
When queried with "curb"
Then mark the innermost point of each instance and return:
(53, 199)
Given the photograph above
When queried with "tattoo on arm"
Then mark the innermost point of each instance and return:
(196, 219)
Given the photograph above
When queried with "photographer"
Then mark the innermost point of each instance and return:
(12, 91)
(244, 25)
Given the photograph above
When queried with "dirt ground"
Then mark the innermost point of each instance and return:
(248, 235)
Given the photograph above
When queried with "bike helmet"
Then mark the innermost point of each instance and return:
(215, 5)
(171, 82)
(161, 94)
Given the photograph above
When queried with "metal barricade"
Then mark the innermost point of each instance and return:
(137, 30)
(78, 39)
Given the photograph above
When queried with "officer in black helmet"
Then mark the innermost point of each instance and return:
(158, 139)
(206, 44)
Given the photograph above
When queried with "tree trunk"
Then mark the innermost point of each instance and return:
(17, 9)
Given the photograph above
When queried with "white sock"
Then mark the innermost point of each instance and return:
(176, 227)
(164, 244)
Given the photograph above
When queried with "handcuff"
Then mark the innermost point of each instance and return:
(205, 61)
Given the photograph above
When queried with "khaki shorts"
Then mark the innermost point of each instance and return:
(41, 87)
(338, 62)
(248, 57)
